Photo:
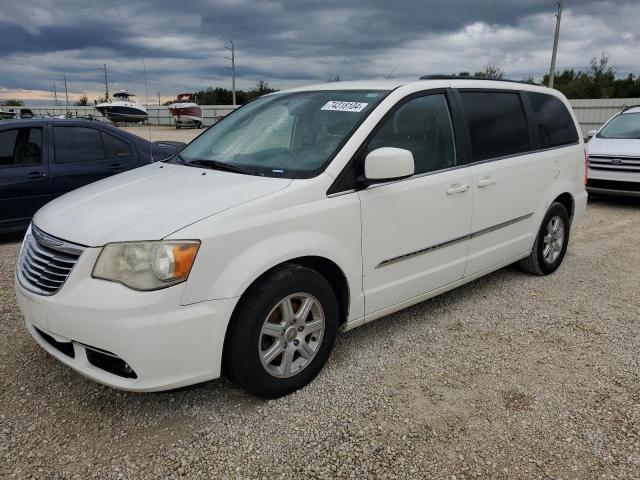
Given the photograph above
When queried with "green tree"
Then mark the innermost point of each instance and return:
(491, 71)
(83, 100)
(13, 102)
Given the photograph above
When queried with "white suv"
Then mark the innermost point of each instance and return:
(303, 213)
(614, 155)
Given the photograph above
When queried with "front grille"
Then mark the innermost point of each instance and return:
(615, 164)
(614, 185)
(45, 262)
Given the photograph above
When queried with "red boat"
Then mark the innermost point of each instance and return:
(185, 111)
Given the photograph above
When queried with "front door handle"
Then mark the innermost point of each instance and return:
(36, 174)
(457, 188)
(115, 166)
(486, 181)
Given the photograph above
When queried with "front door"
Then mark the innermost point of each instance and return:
(24, 179)
(415, 231)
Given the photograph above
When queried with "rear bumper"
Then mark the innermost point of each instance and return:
(98, 327)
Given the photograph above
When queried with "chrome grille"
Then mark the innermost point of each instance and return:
(45, 262)
(614, 163)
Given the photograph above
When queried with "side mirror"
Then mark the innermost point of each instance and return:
(591, 133)
(386, 164)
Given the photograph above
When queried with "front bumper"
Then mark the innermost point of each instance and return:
(613, 183)
(167, 345)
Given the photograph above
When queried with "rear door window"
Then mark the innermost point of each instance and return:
(20, 147)
(77, 144)
(552, 120)
(497, 124)
(114, 147)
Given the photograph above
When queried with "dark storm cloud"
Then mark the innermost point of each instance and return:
(289, 41)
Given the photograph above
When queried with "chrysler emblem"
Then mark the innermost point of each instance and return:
(46, 240)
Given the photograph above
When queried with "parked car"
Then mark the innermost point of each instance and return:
(614, 155)
(301, 213)
(42, 159)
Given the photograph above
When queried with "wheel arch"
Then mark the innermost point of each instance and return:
(567, 200)
(324, 266)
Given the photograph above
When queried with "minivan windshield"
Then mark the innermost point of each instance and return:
(626, 125)
(291, 135)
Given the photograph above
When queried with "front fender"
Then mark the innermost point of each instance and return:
(243, 246)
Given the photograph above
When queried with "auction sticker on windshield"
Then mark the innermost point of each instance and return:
(338, 106)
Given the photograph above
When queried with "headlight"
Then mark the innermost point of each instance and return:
(146, 265)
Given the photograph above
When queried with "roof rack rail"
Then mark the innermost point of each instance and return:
(457, 77)
(628, 107)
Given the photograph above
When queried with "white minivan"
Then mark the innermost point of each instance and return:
(303, 213)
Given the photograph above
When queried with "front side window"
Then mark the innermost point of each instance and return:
(20, 147)
(422, 126)
(552, 120)
(625, 125)
(497, 124)
(77, 144)
(292, 135)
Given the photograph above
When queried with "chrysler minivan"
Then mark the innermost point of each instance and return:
(301, 214)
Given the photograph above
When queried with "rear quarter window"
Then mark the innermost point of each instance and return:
(497, 124)
(552, 120)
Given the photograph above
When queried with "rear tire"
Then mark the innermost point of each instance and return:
(551, 242)
(275, 346)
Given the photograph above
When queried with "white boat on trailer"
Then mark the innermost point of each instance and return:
(123, 108)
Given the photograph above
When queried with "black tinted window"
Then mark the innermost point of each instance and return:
(497, 124)
(423, 127)
(20, 146)
(552, 120)
(114, 147)
(77, 144)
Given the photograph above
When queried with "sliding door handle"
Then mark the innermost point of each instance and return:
(486, 181)
(457, 188)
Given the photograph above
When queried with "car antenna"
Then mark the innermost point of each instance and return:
(146, 94)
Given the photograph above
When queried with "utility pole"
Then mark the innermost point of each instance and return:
(55, 93)
(233, 70)
(158, 108)
(552, 70)
(106, 82)
(66, 93)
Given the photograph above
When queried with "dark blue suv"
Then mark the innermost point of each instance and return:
(41, 159)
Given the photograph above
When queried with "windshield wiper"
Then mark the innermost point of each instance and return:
(216, 165)
(212, 164)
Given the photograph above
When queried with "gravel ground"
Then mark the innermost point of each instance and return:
(165, 133)
(511, 376)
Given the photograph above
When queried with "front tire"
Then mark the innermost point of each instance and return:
(282, 332)
(551, 242)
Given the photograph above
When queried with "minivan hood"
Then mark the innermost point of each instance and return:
(629, 147)
(148, 203)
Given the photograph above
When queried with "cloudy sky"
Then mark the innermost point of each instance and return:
(295, 42)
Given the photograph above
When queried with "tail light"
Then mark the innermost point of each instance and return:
(586, 165)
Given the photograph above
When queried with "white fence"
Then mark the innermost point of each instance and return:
(158, 115)
(591, 113)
